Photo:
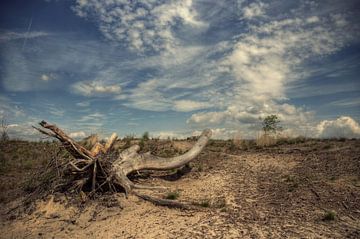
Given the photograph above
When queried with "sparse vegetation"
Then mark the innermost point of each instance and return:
(270, 127)
(4, 133)
(273, 175)
(128, 139)
(270, 124)
(145, 136)
(172, 195)
(292, 182)
(266, 140)
(205, 203)
(200, 168)
(327, 146)
(329, 216)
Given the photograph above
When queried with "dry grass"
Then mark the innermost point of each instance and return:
(266, 140)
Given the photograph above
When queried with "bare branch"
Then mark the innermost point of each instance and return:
(164, 202)
(74, 148)
(149, 161)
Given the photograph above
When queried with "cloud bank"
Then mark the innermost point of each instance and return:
(343, 127)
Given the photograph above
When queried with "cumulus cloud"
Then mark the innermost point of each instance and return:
(47, 77)
(77, 134)
(95, 88)
(264, 60)
(253, 10)
(144, 25)
(217, 133)
(170, 134)
(44, 77)
(253, 114)
(220, 133)
(344, 126)
(269, 57)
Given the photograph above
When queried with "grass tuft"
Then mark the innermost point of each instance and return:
(172, 195)
(205, 203)
(329, 216)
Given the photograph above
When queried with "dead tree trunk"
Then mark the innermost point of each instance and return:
(114, 172)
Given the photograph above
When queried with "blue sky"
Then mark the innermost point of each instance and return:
(174, 68)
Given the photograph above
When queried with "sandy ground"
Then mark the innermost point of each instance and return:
(277, 193)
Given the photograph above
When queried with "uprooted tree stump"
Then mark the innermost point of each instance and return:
(100, 169)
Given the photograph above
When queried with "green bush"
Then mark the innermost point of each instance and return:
(329, 216)
(205, 203)
(172, 195)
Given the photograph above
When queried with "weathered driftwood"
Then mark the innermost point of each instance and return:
(114, 173)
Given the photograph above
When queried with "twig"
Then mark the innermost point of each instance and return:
(94, 177)
(80, 169)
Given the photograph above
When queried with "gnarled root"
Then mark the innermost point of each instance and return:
(99, 167)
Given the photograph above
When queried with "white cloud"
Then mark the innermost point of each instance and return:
(170, 134)
(77, 134)
(9, 35)
(10, 110)
(186, 78)
(248, 119)
(47, 77)
(24, 131)
(207, 117)
(92, 123)
(270, 57)
(44, 77)
(349, 102)
(313, 19)
(190, 105)
(95, 88)
(83, 104)
(220, 133)
(267, 59)
(144, 25)
(92, 117)
(344, 126)
(147, 96)
(253, 10)
(56, 112)
(252, 114)
(13, 125)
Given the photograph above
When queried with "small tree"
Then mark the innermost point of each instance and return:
(4, 134)
(145, 136)
(270, 124)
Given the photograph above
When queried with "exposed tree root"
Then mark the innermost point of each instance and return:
(101, 169)
(164, 202)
